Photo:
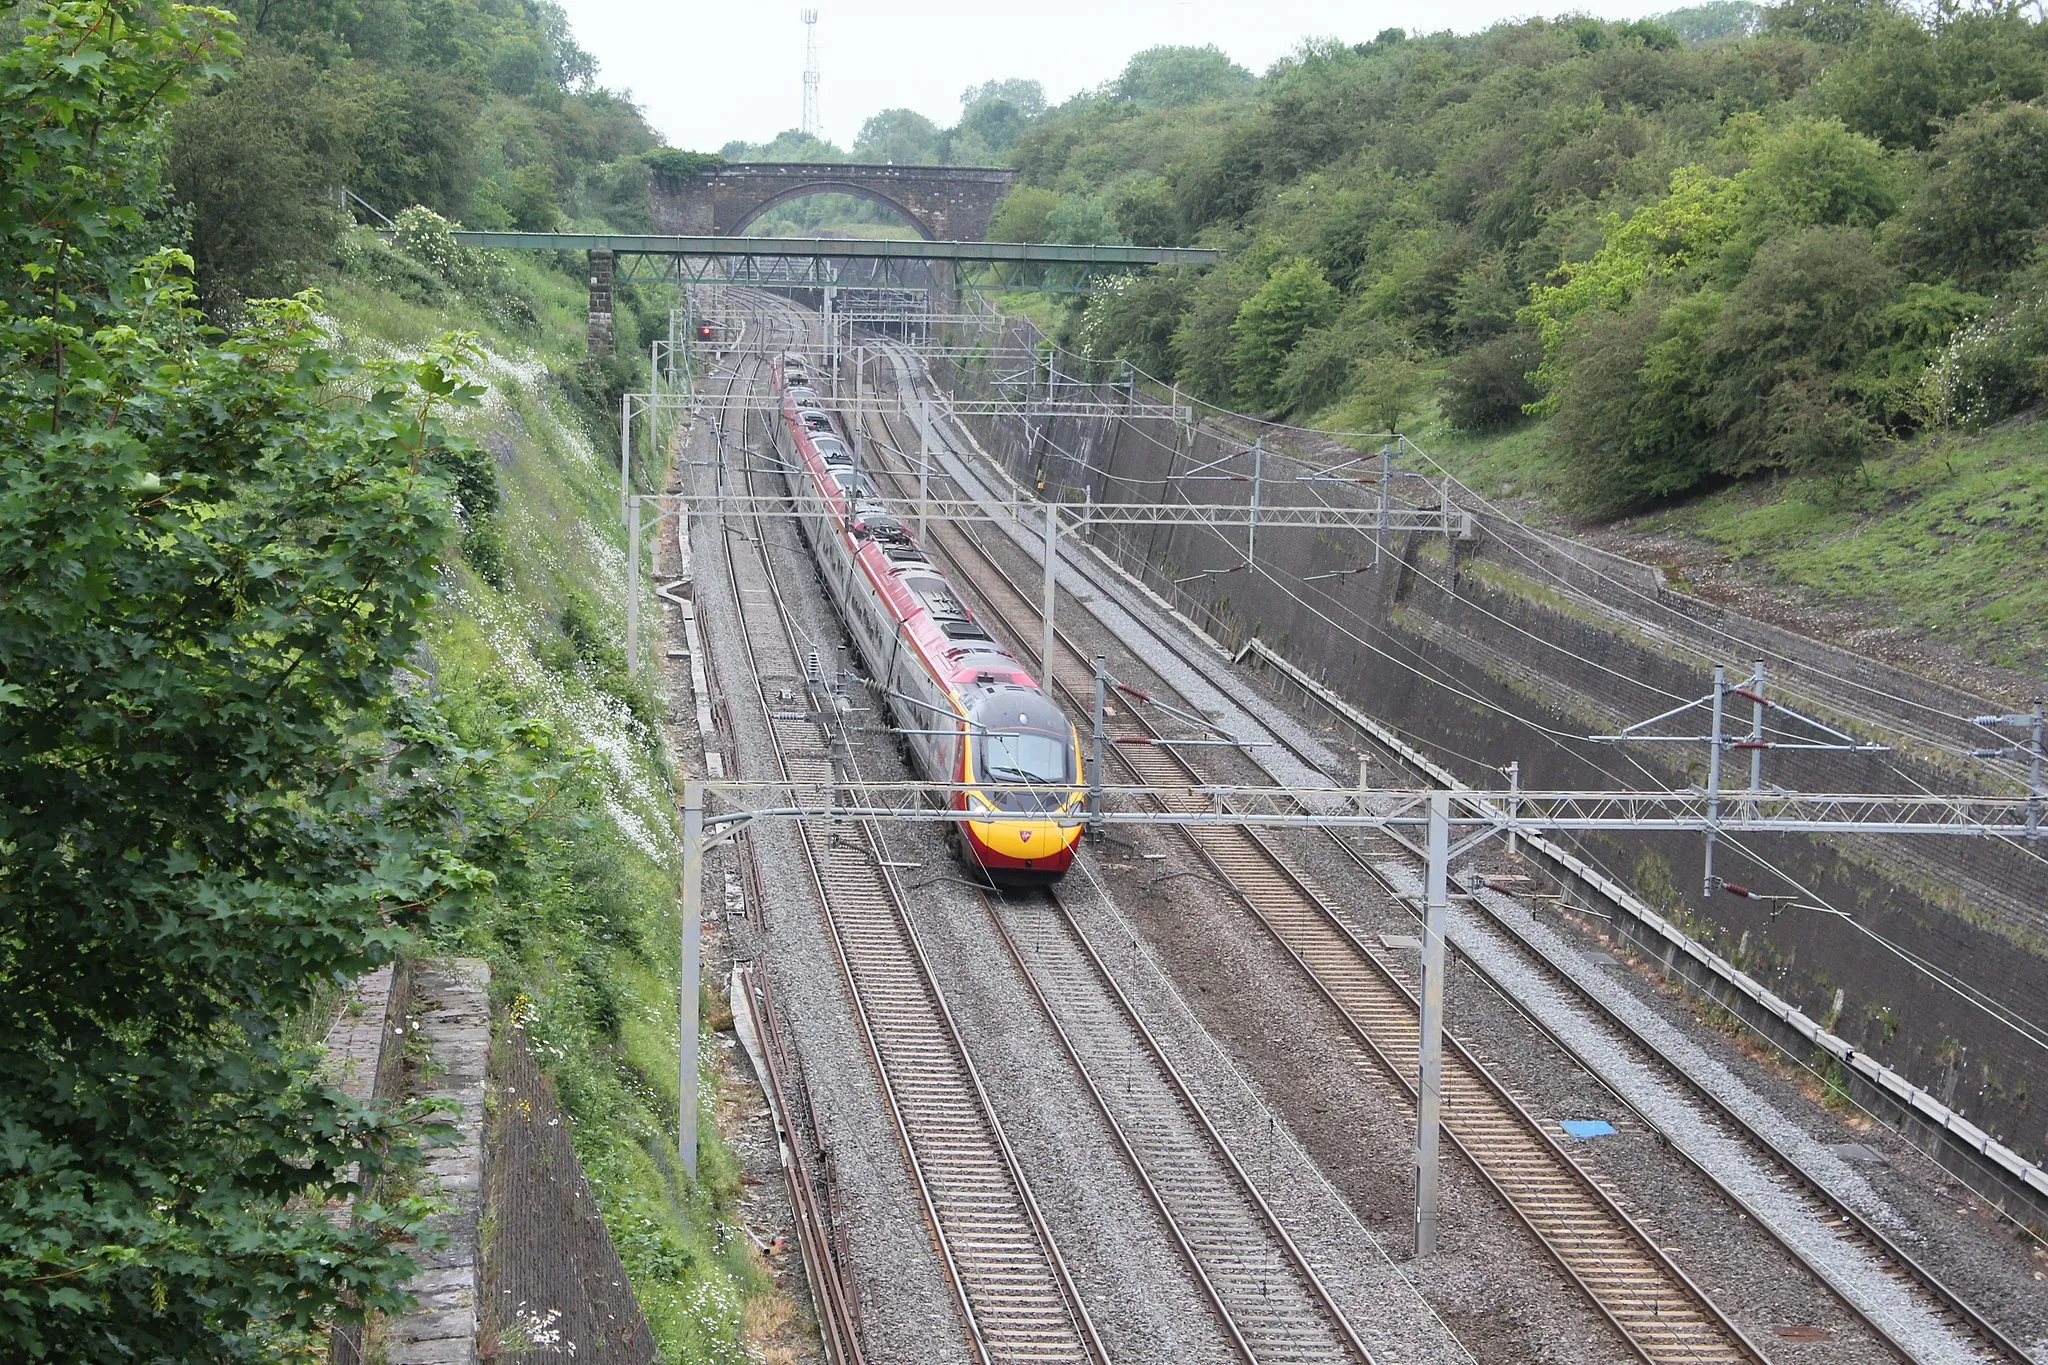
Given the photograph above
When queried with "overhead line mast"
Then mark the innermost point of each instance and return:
(812, 125)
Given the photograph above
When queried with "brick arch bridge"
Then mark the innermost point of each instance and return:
(944, 203)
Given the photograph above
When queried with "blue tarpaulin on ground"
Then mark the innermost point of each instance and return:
(1587, 1128)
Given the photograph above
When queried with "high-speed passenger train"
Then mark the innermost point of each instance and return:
(973, 716)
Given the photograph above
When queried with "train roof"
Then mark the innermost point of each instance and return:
(934, 617)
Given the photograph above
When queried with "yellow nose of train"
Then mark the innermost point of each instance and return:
(1023, 850)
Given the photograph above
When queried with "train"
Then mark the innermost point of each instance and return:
(973, 716)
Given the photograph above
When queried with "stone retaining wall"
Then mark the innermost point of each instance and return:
(1515, 645)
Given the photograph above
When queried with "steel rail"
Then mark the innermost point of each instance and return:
(1653, 1304)
(833, 1303)
(1324, 1298)
(1221, 1189)
(1015, 1292)
(1152, 1191)
(1946, 1302)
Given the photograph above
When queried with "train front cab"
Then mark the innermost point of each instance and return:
(1022, 754)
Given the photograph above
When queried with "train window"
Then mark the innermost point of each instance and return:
(1025, 738)
(1025, 756)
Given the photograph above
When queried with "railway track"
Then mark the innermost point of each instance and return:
(1657, 1309)
(1015, 1294)
(1925, 1289)
(1273, 1304)
(1926, 1293)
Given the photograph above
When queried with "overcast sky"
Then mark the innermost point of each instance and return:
(709, 73)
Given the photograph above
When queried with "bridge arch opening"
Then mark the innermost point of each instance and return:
(893, 211)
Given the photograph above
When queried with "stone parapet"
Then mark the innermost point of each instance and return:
(451, 1023)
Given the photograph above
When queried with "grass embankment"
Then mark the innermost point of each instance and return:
(1946, 538)
(581, 935)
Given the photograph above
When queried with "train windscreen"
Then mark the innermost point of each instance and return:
(1024, 738)
(1025, 756)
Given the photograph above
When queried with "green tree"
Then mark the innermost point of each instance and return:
(1133, 319)
(1386, 391)
(791, 144)
(1835, 22)
(1144, 210)
(1488, 387)
(1325, 363)
(1082, 219)
(1024, 215)
(902, 137)
(1815, 173)
(1204, 344)
(1627, 430)
(1907, 77)
(1169, 77)
(413, 137)
(1980, 210)
(1814, 303)
(257, 160)
(993, 115)
(215, 793)
(1686, 228)
(1714, 20)
(1294, 298)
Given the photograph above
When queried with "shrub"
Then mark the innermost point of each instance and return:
(1627, 430)
(674, 166)
(1269, 324)
(1977, 216)
(1024, 215)
(1991, 368)
(1133, 319)
(1814, 304)
(364, 255)
(1488, 387)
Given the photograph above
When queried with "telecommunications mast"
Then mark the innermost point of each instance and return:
(811, 125)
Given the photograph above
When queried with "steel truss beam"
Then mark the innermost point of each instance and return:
(715, 811)
(928, 350)
(815, 261)
(730, 804)
(1311, 516)
(1142, 410)
(843, 248)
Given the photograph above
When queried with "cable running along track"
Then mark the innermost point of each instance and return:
(1928, 1292)
(1014, 1292)
(1936, 1298)
(1658, 1310)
